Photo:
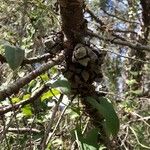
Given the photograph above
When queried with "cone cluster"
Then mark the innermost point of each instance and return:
(84, 67)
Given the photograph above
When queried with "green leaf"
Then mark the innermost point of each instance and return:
(131, 82)
(14, 56)
(63, 85)
(32, 84)
(15, 100)
(27, 96)
(44, 77)
(134, 73)
(73, 113)
(90, 141)
(89, 147)
(92, 136)
(106, 109)
(49, 94)
(102, 147)
(26, 110)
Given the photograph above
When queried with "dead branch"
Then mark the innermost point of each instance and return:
(119, 40)
(23, 130)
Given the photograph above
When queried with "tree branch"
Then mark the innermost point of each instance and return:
(136, 46)
(14, 88)
(94, 17)
(122, 19)
(23, 130)
(24, 102)
(29, 60)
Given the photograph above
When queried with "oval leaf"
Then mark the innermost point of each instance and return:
(49, 94)
(27, 110)
(90, 141)
(63, 85)
(14, 56)
(106, 109)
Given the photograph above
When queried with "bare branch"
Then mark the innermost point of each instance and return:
(22, 130)
(59, 120)
(30, 60)
(122, 19)
(37, 59)
(118, 54)
(125, 31)
(50, 124)
(94, 17)
(136, 45)
(121, 40)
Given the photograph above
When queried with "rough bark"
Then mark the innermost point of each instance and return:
(146, 12)
(73, 22)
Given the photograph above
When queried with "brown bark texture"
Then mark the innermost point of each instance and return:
(73, 22)
(146, 12)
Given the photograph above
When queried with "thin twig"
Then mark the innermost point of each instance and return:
(106, 50)
(94, 17)
(58, 122)
(22, 130)
(2, 135)
(103, 25)
(137, 139)
(15, 119)
(122, 19)
(50, 124)
(133, 45)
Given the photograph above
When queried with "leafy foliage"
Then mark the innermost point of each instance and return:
(88, 142)
(106, 109)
